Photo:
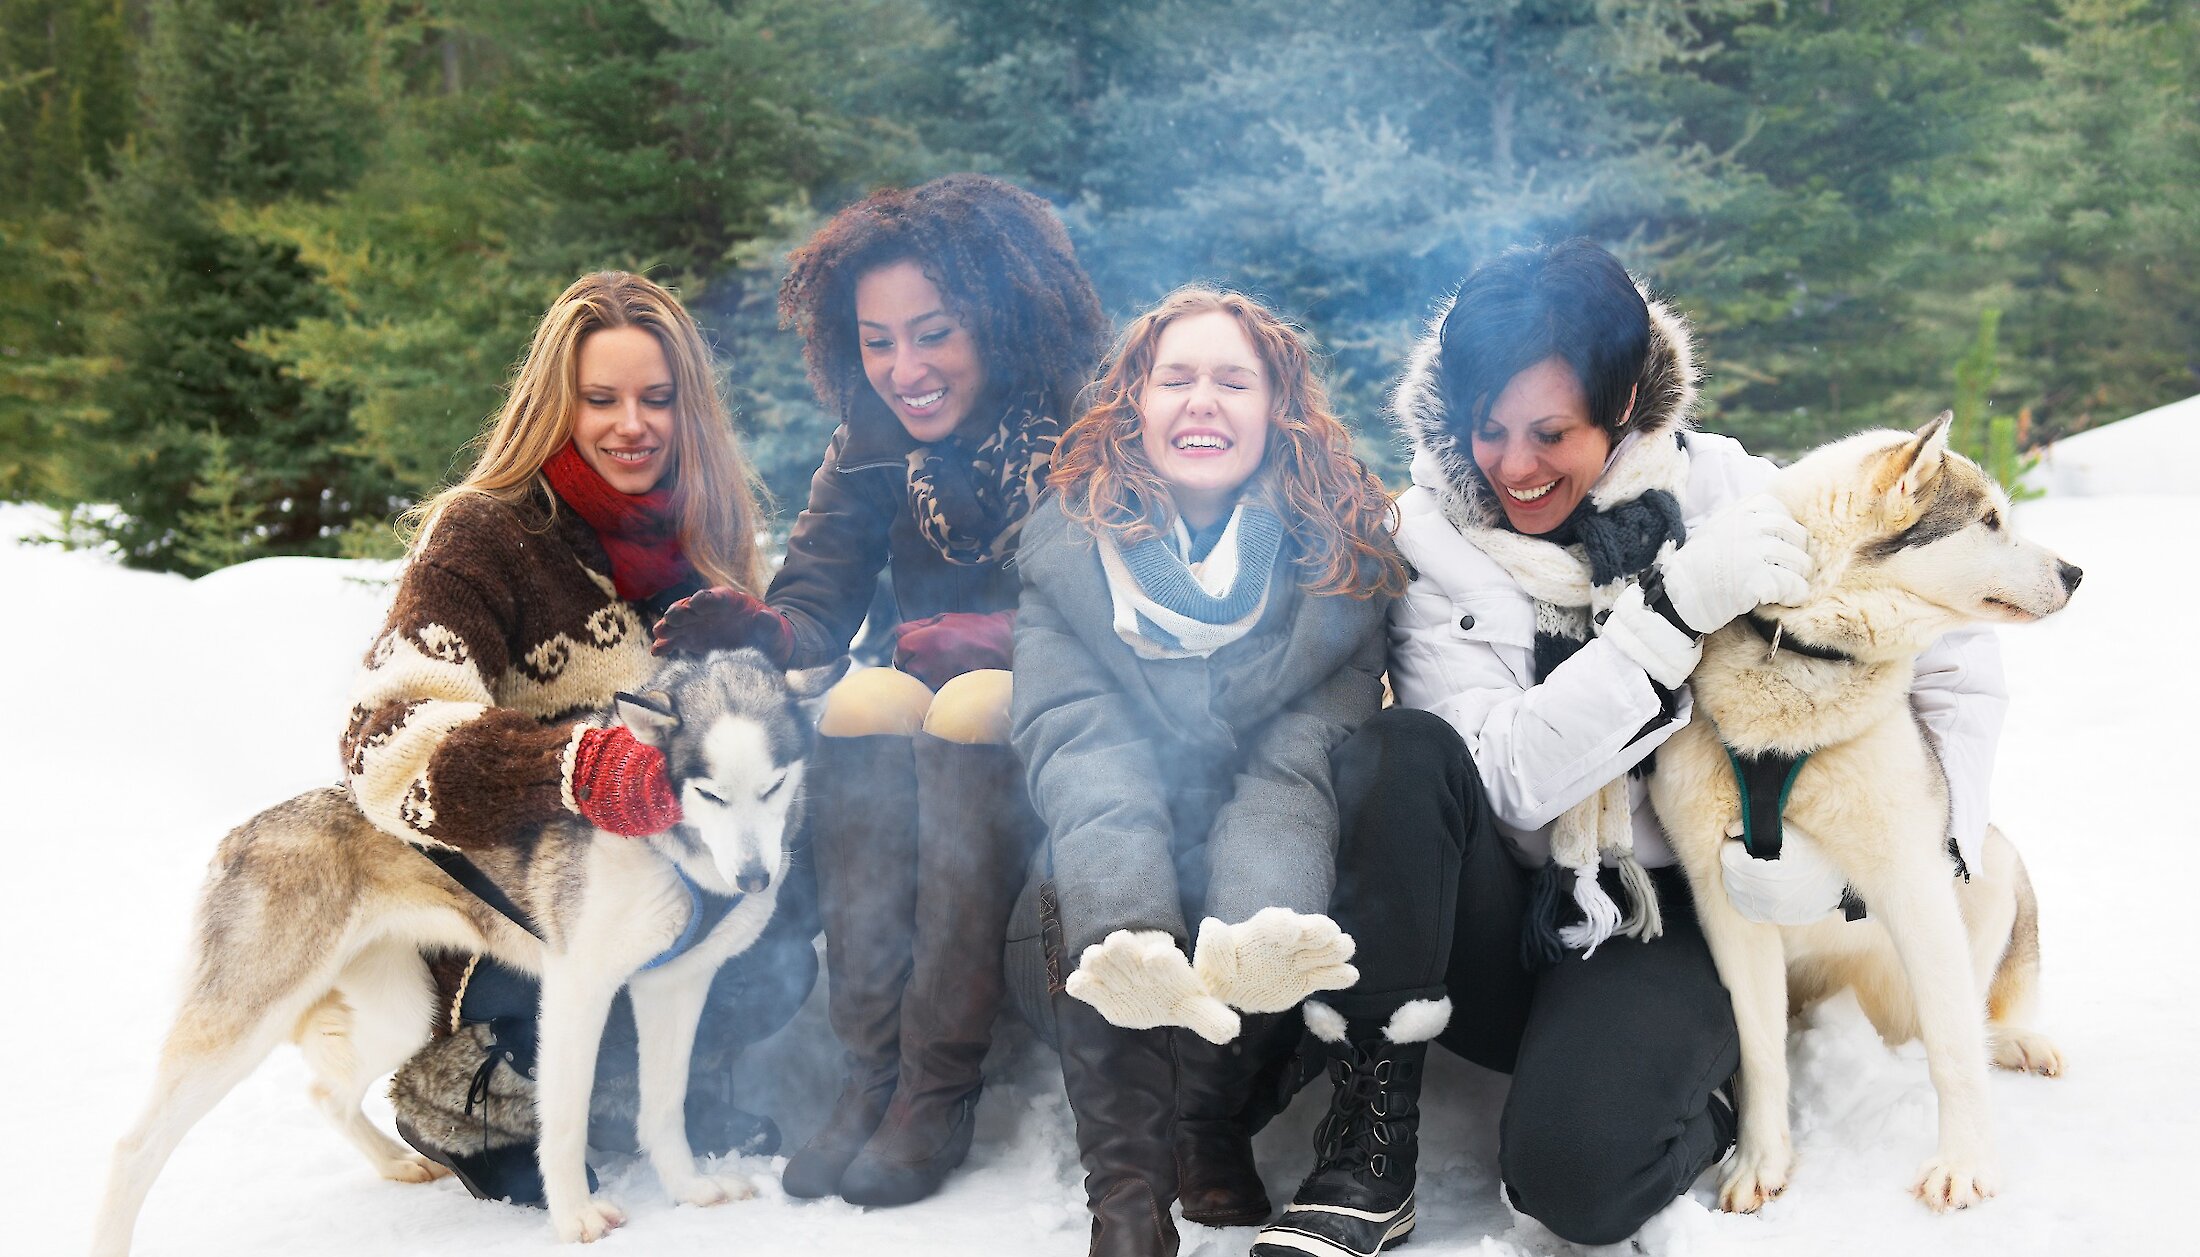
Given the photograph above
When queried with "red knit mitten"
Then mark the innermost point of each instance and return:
(620, 784)
(724, 618)
(939, 648)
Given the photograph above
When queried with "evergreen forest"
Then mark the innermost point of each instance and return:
(267, 264)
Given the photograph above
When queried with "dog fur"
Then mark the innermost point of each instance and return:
(1909, 541)
(313, 924)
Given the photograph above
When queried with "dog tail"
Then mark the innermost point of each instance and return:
(2016, 978)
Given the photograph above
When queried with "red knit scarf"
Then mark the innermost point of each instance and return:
(638, 530)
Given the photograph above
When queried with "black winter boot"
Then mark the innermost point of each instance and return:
(975, 831)
(863, 835)
(1224, 1095)
(1358, 1200)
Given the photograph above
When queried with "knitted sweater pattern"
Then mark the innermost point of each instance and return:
(505, 639)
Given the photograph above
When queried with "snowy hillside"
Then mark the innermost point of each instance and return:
(151, 713)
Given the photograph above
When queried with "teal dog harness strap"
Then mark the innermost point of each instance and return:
(1764, 781)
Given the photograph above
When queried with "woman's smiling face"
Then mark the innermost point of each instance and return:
(1538, 447)
(921, 361)
(624, 408)
(1205, 413)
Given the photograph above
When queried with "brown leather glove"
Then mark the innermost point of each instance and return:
(723, 618)
(620, 783)
(939, 648)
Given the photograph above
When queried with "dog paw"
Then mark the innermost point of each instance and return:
(1945, 1183)
(2027, 1052)
(411, 1168)
(711, 1189)
(589, 1223)
(1753, 1179)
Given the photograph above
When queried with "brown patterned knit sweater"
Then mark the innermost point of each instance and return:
(506, 635)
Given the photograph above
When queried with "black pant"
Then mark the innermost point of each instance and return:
(1614, 1058)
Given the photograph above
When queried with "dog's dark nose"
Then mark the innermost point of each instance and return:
(752, 880)
(2070, 576)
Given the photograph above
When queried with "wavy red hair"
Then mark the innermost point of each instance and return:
(1336, 513)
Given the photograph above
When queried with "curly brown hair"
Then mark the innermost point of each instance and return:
(1002, 263)
(1339, 518)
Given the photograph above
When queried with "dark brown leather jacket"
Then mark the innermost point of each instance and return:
(858, 520)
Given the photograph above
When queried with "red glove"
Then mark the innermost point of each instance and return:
(724, 618)
(939, 648)
(620, 784)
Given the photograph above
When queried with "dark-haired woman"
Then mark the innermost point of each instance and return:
(1573, 541)
(950, 327)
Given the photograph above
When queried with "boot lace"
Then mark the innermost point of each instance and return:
(1355, 1134)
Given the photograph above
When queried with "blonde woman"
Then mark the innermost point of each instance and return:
(608, 486)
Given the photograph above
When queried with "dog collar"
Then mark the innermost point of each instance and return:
(705, 910)
(1777, 637)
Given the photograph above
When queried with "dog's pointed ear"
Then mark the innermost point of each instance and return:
(808, 685)
(648, 716)
(1910, 467)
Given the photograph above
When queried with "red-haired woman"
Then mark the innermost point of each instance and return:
(950, 327)
(1199, 659)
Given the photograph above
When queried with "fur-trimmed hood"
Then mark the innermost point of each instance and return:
(1665, 400)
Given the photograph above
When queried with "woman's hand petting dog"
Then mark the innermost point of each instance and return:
(1744, 556)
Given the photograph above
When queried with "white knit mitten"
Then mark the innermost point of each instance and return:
(1273, 960)
(1747, 554)
(1137, 979)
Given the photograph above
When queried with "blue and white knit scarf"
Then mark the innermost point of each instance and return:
(1169, 608)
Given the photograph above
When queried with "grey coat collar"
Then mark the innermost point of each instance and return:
(1443, 461)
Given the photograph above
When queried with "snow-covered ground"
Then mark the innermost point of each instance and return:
(152, 713)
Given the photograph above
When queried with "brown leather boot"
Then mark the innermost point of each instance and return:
(975, 834)
(1122, 1086)
(863, 836)
(1224, 1094)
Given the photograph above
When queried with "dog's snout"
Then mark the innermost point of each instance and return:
(753, 880)
(2071, 575)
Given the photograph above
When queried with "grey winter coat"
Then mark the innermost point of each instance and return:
(1177, 787)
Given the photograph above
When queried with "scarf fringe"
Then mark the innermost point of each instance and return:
(1600, 916)
(1540, 944)
(1644, 919)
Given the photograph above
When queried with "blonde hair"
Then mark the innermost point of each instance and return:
(1335, 511)
(714, 490)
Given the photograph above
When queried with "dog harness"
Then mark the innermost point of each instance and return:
(1765, 778)
(706, 908)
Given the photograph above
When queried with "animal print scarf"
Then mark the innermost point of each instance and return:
(970, 495)
(1630, 519)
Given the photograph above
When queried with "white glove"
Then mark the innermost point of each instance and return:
(1655, 644)
(1744, 556)
(1800, 887)
(1138, 980)
(1274, 960)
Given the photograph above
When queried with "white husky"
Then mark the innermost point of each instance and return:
(312, 924)
(1909, 541)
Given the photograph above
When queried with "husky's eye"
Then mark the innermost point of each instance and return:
(774, 787)
(708, 797)
(1992, 521)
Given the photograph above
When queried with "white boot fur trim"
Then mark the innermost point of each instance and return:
(1326, 1022)
(1418, 1021)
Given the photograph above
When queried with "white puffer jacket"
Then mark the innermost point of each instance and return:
(1462, 640)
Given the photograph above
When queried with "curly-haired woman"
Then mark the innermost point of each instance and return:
(1200, 654)
(950, 327)
(609, 485)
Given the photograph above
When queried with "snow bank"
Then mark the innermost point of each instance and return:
(2157, 452)
(153, 713)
